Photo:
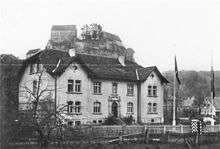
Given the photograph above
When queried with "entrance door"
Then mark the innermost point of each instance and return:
(115, 109)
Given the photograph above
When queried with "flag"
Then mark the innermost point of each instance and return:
(176, 72)
(212, 83)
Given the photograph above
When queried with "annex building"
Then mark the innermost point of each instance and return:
(91, 77)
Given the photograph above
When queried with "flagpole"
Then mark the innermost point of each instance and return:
(174, 95)
(212, 92)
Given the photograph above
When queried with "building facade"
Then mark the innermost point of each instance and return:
(89, 87)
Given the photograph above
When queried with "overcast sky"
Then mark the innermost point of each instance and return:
(155, 29)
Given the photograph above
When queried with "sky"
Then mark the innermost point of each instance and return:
(156, 29)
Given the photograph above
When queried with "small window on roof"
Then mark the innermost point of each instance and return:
(152, 75)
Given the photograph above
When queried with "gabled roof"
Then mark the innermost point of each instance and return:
(33, 51)
(145, 72)
(96, 66)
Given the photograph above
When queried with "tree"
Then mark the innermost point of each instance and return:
(40, 114)
(9, 66)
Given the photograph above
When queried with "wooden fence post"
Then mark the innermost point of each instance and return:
(181, 128)
(164, 129)
(146, 136)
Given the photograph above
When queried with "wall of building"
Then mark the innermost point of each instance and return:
(63, 35)
(145, 99)
(26, 85)
(86, 97)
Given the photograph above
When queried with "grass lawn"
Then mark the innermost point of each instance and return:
(119, 146)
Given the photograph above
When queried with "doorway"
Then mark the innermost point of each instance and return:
(115, 109)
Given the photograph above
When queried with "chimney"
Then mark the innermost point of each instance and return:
(121, 60)
(72, 52)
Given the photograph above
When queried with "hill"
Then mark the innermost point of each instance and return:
(193, 84)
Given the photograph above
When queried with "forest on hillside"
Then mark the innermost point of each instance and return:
(193, 84)
(195, 87)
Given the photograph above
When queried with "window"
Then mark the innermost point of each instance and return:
(39, 67)
(94, 121)
(152, 120)
(114, 88)
(97, 107)
(34, 87)
(31, 68)
(130, 107)
(70, 123)
(149, 108)
(77, 123)
(70, 86)
(97, 87)
(77, 107)
(130, 89)
(154, 90)
(70, 107)
(154, 108)
(77, 85)
(100, 121)
(149, 90)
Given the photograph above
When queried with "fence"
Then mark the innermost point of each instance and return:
(115, 131)
(160, 129)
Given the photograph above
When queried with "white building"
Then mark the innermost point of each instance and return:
(91, 88)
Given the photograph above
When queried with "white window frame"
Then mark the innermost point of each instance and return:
(78, 107)
(149, 90)
(97, 107)
(70, 82)
(130, 107)
(70, 107)
(77, 86)
(130, 89)
(154, 107)
(149, 107)
(154, 91)
(97, 87)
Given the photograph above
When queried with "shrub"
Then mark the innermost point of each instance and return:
(110, 120)
(128, 120)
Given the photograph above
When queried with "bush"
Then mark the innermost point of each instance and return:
(110, 120)
(128, 120)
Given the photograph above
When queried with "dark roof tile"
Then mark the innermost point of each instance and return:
(96, 66)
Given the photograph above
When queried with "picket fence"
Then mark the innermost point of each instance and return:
(115, 131)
